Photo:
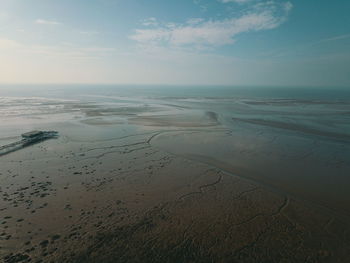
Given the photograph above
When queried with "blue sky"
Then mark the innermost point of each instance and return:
(226, 42)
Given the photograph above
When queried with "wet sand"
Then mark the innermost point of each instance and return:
(154, 187)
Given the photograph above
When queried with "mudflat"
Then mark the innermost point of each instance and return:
(176, 181)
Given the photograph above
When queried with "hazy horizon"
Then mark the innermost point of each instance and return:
(167, 85)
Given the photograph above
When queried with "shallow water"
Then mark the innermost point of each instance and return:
(294, 140)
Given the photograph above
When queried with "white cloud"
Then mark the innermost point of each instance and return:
(288, 6)
(194, 21)
(151, 35)
(234, 1)
(341, 37)
(47, 22)
(197, 32)
(89, 33)
(151, 21)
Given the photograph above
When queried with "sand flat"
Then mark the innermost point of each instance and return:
(129, 199)
(179, 185)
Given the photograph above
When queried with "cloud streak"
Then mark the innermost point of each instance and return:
(47, 22)
(234, 1)
(262, 16)
(12, 47)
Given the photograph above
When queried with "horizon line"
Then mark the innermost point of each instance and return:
(176, 85)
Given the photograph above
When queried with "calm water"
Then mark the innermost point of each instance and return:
(66, 91)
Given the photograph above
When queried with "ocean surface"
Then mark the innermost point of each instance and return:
(294, 140)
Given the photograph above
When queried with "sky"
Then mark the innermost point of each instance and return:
(176, 42)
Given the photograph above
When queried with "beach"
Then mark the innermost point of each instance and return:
(159, 177)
